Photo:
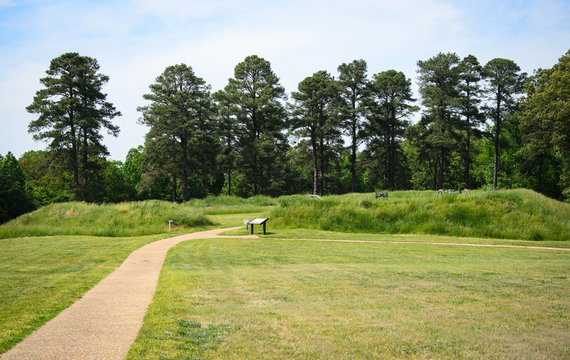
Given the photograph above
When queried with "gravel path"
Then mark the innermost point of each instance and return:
(104, 323)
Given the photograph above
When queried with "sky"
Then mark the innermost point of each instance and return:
(135, 40)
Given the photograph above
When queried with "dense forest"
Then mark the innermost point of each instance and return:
(474, 126)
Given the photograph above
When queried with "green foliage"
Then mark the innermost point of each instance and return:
(470, 95)
(389, 109)
(47, 178)
(352, 94)
(504, 82)
(438, 80)
(124, 219)
(180, 141)
(313, 119)
(72, 112)
(546, 119)
(257, 97)
(512, 214)
(16, 197)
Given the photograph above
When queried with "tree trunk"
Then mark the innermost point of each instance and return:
(440, 169)
(84, 171)
(539, 176)
(354, 141)
(353, 159)
(174, 194)
(467, 155)
(229, 191)
(435, 175)
(185, 168)
(497, 135)
(75, 155)
(392, 161)
(315, 171)
(322, 167)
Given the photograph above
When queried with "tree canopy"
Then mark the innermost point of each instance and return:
(72, 112)
(480, 126)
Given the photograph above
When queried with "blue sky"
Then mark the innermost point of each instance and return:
(134, 41)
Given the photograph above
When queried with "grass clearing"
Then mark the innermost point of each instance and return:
(279, 299)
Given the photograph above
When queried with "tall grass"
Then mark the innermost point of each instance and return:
(216, 205)
(125, 219)
(509, 214)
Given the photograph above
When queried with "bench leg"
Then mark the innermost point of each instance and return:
(263, 228)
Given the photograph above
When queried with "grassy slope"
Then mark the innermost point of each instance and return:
(279, 299)
(125, 219)
(508, 214)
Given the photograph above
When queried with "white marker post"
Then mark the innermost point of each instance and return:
(169, 222)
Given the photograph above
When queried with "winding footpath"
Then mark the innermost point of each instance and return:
(104, 323)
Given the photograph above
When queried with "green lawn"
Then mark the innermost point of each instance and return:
(282, 299)
(41, 276)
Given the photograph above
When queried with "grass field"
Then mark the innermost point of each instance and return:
(281, 299)
(41, 276)
(286, 296)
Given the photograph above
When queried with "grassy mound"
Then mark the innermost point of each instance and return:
(507, 214)
(125, 219)
(216, 205)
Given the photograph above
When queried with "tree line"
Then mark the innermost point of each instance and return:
(478, 126)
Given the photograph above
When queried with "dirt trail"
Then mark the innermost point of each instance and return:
(104, 323)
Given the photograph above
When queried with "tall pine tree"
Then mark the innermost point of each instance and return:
(72, 112)
(504, 82)
(389, 107)
(257, 98)
(438, 80)
(352, 83)
(181, 136)
(313, 119)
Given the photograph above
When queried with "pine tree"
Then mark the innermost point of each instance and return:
(439, 89)
(313, 119)
(389, 108)
(470, 92)
(72, 112)
(352, 94)
(180, 141)
(257, 97)
(504, 82)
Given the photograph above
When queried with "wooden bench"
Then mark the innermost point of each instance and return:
(257, 221)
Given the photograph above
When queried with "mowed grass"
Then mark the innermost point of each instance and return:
(41, 276)
(507, 214)
(285, 299)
